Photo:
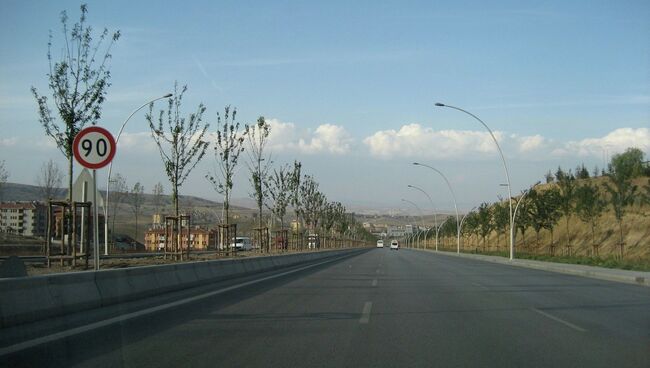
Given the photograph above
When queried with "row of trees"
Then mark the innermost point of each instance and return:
(78, 83)
(566, 195)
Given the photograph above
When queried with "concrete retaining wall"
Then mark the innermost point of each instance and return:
(29, 299)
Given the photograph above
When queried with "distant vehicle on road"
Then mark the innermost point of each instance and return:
(380, 243)
(313, 242)
(394, 244)
(242, 243)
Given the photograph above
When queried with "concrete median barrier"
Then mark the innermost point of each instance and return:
(30, 299)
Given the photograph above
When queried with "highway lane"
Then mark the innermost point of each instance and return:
(386, 309)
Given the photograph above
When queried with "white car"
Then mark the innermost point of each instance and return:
(242, 243)
(394, 244)
(380, 243)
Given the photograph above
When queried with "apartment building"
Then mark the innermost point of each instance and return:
(23, 218)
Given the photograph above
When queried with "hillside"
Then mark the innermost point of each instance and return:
(206, 212)
(636, 231)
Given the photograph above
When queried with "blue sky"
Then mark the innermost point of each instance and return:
(350, 87)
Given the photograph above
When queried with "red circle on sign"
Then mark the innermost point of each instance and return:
(98, 131)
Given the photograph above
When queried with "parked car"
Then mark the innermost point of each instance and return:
(242, 243)
(394, 244)
(380, 243)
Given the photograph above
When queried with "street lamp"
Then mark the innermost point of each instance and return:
(465, 216)
(435, 219)
(110, 168)
(505, 167)
(523, 194)
(453, 196)
(421, 218)
(440, 227)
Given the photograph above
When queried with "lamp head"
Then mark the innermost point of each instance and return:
(440, 104)
(168, 95)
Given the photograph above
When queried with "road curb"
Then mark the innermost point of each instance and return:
(33, 298)
(629, 277)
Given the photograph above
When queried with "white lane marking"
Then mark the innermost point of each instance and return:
(480, 285)
(374, 282)
(557, 319)
(125, 317)
(365, 314)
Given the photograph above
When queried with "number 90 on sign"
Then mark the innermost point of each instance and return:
(94, 147)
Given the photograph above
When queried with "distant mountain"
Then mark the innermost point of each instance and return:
(25, 192)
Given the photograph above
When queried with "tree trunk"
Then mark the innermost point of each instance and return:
(568, 236)
(620, 228)
(552, 245)
(593, 238)
(136, 228)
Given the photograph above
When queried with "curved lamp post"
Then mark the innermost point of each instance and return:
(453, 195)
(514, 214)
(421, 220)
(110, 168)
(440, 227)
(435, 219)
(465, 216)
(505, 167)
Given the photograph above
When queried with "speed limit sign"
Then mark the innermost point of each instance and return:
(94, 147)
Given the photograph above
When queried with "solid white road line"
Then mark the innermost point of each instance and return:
(125, 317)
(557, 319)
(365, 314)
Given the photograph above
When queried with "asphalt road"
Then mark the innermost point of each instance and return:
(382, 308)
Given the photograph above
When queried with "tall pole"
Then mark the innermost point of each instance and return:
(110, 168)
(438, 229)
(421, 218)
(465, 216)
(435, 219)
(505, 167)
(453, 195)
(514, 214)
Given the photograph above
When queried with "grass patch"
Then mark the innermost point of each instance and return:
(607, 262)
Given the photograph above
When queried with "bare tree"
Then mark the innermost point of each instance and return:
(567, 185)
(258, 164)
(78, 82)
(590, 206)
(119, 191)
(313, 201)
(49, 179)
(158, 196)
(136, 200)
(182, 147)
(279, 192)
(230, 144)
(294, 188)
(4, 175)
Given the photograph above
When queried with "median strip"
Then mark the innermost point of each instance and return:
(125, 317)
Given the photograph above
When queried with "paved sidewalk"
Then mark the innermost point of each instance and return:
(610, 274)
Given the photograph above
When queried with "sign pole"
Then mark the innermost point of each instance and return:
(95, 222)
(94, 148)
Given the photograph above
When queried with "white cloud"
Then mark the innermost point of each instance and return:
(136, 142)
(8, 142)
(614, 142)
(327, 138)
(530, 144)
(413, 140)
